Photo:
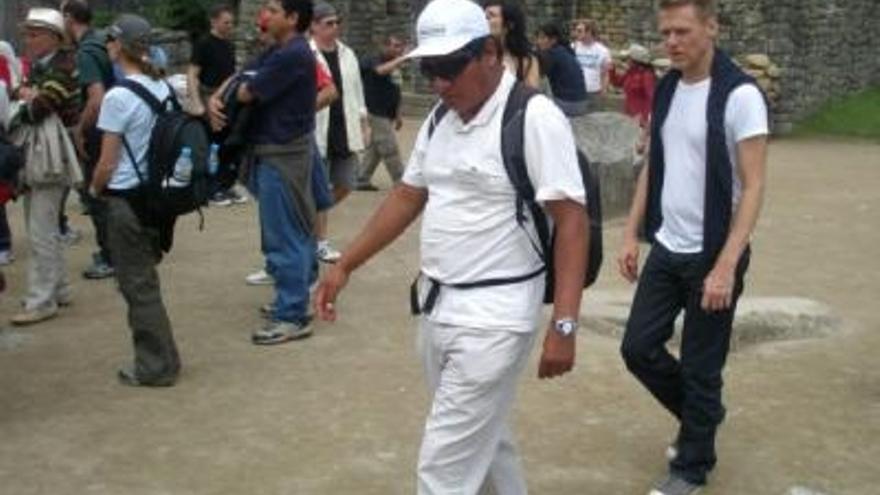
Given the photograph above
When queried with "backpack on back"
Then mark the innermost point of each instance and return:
(171, 191)
(513, 154)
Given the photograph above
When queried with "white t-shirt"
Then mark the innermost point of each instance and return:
(684, 143)
(123, 112)
(469, 229)
(593, 58)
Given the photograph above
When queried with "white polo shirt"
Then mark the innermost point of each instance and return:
(469, 229)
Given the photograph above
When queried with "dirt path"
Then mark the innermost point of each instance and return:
(341, 413)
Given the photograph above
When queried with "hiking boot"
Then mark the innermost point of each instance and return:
(259, 278)
(673, 485)
(327, 253)
(35, 315)
(219, 198)
(127, 376)
(99, 268)
(279, 332)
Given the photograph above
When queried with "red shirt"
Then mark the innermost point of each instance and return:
(322, 76)
(638, 90)
(5, 75)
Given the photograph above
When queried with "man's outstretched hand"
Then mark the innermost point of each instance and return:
(325, 297)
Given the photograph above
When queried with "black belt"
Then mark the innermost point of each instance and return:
(434, 290)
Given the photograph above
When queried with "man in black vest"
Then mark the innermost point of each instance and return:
(699, 197)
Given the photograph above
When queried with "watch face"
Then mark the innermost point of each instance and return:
(566, 327)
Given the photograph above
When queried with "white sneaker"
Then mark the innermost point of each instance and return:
(236, 197)
(6, 258)
(72, 237)
(259, 278)
(327, 253)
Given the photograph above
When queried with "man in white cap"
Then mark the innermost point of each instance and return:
(474, 341)
(51, 92)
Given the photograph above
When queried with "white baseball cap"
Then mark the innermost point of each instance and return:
(447, 25)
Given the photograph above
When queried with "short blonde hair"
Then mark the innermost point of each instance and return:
(706, 8)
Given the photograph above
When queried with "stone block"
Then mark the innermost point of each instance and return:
(759, 320)
(758, 61)
(608, 139)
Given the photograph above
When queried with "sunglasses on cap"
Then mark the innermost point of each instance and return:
(449, 67)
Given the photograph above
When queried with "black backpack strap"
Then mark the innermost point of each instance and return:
(143, 93)
(513, 125)
(513, 154)
(437, 115)
(134, 162)
(149, 98)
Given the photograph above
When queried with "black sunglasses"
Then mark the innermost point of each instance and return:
(449, 67)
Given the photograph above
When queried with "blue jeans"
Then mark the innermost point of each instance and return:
(320, 184)
(289, 249)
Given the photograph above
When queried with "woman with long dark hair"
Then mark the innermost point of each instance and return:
(561, 67)
(508, 24)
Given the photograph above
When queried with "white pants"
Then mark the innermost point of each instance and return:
(47, 274)
(472, 375)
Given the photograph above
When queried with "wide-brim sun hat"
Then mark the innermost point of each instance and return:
(445, 26)
(638, 53)
(43, 18)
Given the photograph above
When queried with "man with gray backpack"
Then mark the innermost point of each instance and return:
(484, 264)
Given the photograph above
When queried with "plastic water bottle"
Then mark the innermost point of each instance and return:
(182, 169)
(214, 160)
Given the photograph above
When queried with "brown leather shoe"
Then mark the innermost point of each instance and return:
(31, 316)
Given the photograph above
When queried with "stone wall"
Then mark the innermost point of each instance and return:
(822, 48)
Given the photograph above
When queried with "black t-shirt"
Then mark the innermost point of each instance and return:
(562, 69)
(337, 135)
(216, 58)
(382, 95)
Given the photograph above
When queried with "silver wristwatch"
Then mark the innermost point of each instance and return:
(565, 326)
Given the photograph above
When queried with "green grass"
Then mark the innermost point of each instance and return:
(857, 115)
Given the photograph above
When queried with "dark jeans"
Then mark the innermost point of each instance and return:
(690, 388)
(136, 253)
(97, 206)
(5, 233)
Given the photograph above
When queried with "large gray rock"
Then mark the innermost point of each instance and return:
(758, 319)
(609, 139)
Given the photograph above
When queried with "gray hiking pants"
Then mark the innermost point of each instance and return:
(135, 251)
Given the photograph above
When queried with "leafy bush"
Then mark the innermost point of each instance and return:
(857, 115)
